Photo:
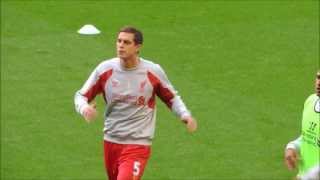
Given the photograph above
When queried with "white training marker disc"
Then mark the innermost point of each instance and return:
(88, 29)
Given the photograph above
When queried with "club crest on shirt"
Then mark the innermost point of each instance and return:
(142, 85)
(317, 106)
(115, 82)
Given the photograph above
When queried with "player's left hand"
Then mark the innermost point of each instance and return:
(190, 123)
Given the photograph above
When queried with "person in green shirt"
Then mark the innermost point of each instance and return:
(305, 150)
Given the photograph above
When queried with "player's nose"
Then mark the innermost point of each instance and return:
(120, 43)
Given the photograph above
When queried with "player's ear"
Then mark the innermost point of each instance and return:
(139, 46)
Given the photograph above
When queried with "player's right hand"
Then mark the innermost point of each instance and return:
(291, 158)
(90, 113)
(318, 83)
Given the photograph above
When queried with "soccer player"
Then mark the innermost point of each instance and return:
(305, 150)
(129, 85)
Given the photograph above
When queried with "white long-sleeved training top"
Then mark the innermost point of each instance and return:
(130, 97)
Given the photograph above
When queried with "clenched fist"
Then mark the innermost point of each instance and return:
(90, 113)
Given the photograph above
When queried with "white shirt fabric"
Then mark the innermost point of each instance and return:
(130, 98)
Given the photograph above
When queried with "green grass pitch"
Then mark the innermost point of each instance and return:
(244, 69)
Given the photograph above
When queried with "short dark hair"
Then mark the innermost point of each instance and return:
(138, 37)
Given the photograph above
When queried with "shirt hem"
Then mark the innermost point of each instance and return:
(120, 140)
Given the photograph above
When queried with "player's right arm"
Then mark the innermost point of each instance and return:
(86, 94)
(291, 154)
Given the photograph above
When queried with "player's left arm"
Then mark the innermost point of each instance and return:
(170, 97)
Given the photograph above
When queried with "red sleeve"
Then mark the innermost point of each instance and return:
(98, 86)
(164, 93)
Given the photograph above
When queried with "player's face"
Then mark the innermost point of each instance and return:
(126, 47)
(317, 84)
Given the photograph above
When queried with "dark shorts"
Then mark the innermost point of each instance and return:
(125, 161)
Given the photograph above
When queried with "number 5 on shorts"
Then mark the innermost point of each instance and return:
(136, 168)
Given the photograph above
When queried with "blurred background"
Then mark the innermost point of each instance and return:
(244, 69)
